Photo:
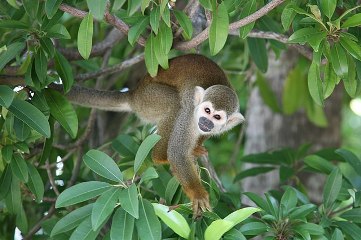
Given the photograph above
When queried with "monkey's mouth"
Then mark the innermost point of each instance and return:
(203, 127)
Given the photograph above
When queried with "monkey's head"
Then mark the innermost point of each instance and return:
(216, 109)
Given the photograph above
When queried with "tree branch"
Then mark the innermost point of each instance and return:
(108, 17)
(249, 19)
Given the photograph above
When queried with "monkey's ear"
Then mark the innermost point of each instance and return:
(198, 95)
(235, 119)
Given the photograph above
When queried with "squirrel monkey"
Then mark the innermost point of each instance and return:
(189, 102)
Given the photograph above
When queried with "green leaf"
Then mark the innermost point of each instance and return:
(48, 46)
(6, 96)
(165, 37)
(19, 168)
(13, 24)
(128, 199)
(350, 229)
(7, 153)
(217, 229)
(63, 68)
(85, 35)
(41, 65)
(352, 215)
(166, 17)
(103, 165)
(160, 52)
(171, 190)
(21, 220)
(339, 60)
(351, 158)
(136, 30)
(51, 6)
(58, 31)
(287, 16)
(173, 220)
(185, 23)
(13, 198)
(81, 192)
(31, 7)
(351, 47)
(241, 214)
(5, 182)
(12, 51)
(149, 174)
(289, 200)
(118, 4)
(22, 131)
(258, 52)
(311, 228)
(103, 207)
(350, 82)
(150, 58)
(148, 225)
(144, 5)
(122, 225)
(337, 235)
(221, 226)
(328, 7)
(259, 201)
(84, 231)
(332, 187)
(125, 145)
(302, 211)
(267, 94)
(252, 172)
(97, 8)
(319, 163)
(249, 8)
(133, 6)
(155, 19)
(31, 116)
(310, 35)
(144, 150)
(330, 80)
(218, 31)
(35, 183)
(72, 220)
(315, 85)
(62, 111)
(353, 21)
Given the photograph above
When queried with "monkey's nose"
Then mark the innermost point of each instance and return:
(205, 124)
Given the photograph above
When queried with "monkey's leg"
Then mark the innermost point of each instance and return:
(165, 126)
(180, 154)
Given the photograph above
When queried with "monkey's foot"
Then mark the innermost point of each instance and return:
(200, 205)
(200, 151)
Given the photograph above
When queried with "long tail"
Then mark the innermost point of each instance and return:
(104, 100)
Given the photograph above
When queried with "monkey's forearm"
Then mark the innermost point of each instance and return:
(92, 98)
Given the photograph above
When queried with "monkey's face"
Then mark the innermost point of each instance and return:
(209, 120)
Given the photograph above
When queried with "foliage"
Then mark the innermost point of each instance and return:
(117, 193)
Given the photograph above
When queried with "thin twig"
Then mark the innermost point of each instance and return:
(108, 17)
(37, 226)
(113, 69)
(51, 178)
(233, 26)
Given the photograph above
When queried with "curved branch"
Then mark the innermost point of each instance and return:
(108, 17)
(109, 70)
(233, 26)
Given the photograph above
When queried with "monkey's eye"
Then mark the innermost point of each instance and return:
(217, 117)
(207, 110)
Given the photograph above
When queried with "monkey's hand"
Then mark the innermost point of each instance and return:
(200, 151)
